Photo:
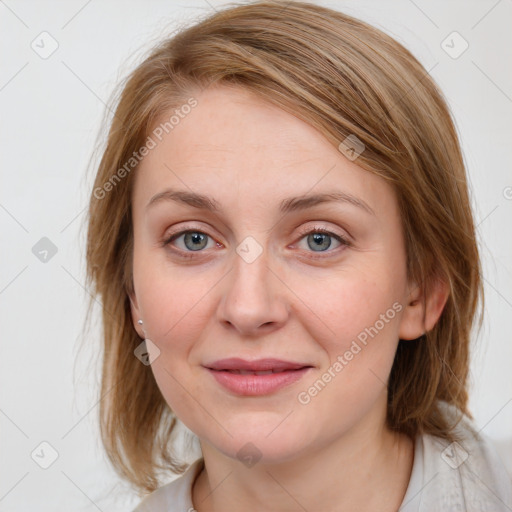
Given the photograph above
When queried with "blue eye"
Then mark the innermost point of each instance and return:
(193, 240)
(321, 241)
(321, 238)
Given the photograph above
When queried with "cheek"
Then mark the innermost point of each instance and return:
(175, 311)
(355, 306)
(359, 346)
(180, 391)
(173, 303)
(356, 325)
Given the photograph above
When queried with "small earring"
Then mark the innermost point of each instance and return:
(140, 322)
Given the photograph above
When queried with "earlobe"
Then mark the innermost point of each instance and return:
(135, 314)
(422, 312)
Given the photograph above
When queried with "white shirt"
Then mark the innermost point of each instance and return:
(465, 477)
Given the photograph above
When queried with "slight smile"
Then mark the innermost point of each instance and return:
(256, 378)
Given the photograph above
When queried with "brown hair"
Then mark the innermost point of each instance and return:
(343, 77)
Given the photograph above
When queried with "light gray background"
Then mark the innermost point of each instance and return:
(51, 112)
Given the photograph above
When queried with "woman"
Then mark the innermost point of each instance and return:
(281, 213)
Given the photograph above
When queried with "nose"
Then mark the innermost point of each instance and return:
(254, 297)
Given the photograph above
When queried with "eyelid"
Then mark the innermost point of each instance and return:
(327, 231)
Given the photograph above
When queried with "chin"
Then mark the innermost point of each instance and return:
(251, 450)
(261, 438)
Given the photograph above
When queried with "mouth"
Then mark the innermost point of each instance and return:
(267, 365)
(249, 372)
(253, 378)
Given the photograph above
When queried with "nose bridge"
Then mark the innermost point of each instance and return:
(252, 297)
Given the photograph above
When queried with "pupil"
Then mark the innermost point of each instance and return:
(319, 238)
(195, 238)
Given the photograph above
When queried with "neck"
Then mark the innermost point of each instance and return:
(331, 477)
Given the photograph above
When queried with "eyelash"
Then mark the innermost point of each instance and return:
(303, 233)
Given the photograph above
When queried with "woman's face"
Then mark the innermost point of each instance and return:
(256, 279)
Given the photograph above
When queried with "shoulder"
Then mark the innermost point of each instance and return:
(466, 475)
(174, 496)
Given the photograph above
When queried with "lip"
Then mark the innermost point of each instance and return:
(282, 373)
(236, 363)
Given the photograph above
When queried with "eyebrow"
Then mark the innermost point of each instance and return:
(288, 205)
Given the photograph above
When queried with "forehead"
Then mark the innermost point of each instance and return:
(235, 143)
(231, 122)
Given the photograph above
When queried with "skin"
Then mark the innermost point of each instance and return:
(249, 156)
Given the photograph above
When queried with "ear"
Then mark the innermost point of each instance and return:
(136, 316)
(423, 309)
